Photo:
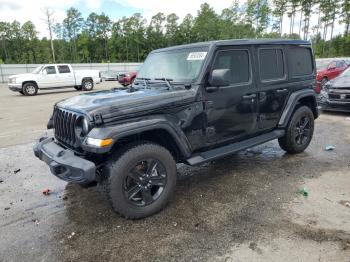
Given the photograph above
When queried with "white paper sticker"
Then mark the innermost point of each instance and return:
(196, 55)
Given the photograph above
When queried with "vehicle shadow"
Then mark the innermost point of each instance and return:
(235, 199)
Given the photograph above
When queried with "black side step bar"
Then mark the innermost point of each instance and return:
(233, 148)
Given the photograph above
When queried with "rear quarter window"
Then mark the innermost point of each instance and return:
(300, 61)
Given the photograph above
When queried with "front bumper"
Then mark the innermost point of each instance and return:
(329, 105)
(15, 87)
(63, 163)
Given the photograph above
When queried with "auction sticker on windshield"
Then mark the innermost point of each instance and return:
(196, 55)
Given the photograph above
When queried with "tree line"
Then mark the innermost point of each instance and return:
(99, 39)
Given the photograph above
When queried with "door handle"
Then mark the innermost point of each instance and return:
(284, 90)
(251, 96)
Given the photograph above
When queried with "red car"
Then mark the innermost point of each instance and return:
(333, 69)
(127, 79)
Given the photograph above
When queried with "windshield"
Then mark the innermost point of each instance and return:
(182, 65)
(345, 73)
(37, 70)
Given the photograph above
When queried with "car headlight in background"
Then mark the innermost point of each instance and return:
(12, 80)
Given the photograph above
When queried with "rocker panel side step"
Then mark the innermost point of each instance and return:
(233, 148)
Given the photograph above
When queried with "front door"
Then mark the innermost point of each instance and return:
(48, 77)
(232, 110)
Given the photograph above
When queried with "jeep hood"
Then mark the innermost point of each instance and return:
(115, 103)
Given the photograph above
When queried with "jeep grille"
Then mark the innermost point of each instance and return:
(64, 123)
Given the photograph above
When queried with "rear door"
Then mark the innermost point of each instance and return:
(282, 71)
(66, 75)
(273, 84)
(232, 110)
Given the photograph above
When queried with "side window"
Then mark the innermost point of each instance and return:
(63, 69)
(332, 65)
(271, 64)
(235, 60)
(340, 64)
(300, 61)
(50, 70)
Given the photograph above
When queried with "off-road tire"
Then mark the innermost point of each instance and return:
(117, 168)
(87, 85)
(288, 141)
(30, 89)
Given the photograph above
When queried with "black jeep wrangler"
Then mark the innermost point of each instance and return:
(189, 104)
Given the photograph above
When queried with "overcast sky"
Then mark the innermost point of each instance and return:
(24, 10)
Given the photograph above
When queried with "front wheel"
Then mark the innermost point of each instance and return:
(87, 85)
(299, 131)
(30, 89)
(140, 182)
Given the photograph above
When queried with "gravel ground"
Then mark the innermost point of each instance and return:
(246, 207)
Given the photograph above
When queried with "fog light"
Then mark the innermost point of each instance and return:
(99, 142)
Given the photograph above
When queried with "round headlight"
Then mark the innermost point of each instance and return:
(86, 126)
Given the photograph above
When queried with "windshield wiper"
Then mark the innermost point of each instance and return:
(144, 80)
(167, 81)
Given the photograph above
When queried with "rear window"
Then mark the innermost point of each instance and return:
(300, 61)
(63, 69)
(271, 64)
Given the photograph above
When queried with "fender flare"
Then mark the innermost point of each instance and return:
(138, 126)
(293, 100)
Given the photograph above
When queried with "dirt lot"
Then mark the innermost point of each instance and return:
(246, 207)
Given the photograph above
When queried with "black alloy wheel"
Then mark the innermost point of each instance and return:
(145, 182)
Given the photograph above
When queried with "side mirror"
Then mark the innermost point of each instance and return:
(219, 77)
(44, 72)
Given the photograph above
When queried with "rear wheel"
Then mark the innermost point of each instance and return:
(141, 180)
(30, 89)
(299, 131)
(87, 85)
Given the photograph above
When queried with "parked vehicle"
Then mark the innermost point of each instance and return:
(332, 70)
(127, 79)
(335, 94)
(52, 77)
(109, 75)
(190, 104)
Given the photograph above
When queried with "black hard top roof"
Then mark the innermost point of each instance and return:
(238, 42)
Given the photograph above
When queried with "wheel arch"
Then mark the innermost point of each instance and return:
(30, 81)
(303, 97)
(157, 130)
(86, 78)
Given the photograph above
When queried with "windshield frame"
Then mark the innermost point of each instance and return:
(199, 48)
(37, 69)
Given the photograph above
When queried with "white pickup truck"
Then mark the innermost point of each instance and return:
(52, 77)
